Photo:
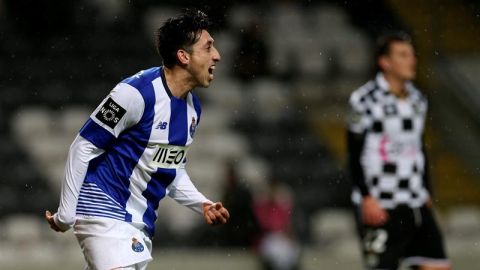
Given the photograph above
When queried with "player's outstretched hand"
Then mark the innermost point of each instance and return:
(215, 213)
(372, 212)
(51, 221)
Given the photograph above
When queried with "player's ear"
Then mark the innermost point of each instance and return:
(183, 57)
(383, 62)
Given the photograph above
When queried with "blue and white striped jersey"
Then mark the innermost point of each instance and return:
(140, 136)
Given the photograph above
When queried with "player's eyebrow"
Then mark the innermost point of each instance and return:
(210, 42)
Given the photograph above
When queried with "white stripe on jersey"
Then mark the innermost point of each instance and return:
(137, 203)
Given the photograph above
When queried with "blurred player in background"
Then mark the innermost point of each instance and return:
(132, 151)
(388, 165)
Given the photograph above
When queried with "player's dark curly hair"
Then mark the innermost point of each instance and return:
(180, 32)
(385, 42)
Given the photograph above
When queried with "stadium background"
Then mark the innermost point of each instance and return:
(273, 116)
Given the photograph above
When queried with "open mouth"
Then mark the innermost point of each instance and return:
(210, 70)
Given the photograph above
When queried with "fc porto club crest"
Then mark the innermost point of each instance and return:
(136, 245)
(193, 127)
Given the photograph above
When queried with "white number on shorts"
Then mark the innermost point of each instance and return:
(375, 240)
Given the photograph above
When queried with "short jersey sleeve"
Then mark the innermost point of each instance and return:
(359, 116)
(120, 110)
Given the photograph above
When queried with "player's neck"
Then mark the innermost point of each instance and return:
(397, 86)
(178, 81)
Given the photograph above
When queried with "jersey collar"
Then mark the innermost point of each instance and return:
(385, 86)
(165, 85)
(164, 82)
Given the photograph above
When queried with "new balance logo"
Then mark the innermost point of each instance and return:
(162, 125)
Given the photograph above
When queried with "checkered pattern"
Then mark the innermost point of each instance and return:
(392, 158)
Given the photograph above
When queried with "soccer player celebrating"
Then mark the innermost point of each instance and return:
(132, 151)
(389, 167)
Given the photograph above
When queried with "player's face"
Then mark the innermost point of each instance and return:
(401, 61)
(204, 57)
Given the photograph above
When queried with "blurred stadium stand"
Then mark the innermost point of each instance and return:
(286, 122)
(447, 33)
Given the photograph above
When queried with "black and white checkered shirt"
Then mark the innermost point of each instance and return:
(386, 154)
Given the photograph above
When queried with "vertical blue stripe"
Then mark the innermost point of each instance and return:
(178, 132)
(112, 170)
(197, 106)
(156, 190)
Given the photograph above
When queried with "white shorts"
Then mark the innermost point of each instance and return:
(109, 244)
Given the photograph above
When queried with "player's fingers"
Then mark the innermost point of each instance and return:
(218, 205)
(370, 221)
(373, 218)
(49, 218)
(367, 218)
(53, 226)
(225, 213)
(208, 219)
(382, 218)
(374, 221)
(212, 217)
(379, 222)
(219, 217)
(48, 215)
